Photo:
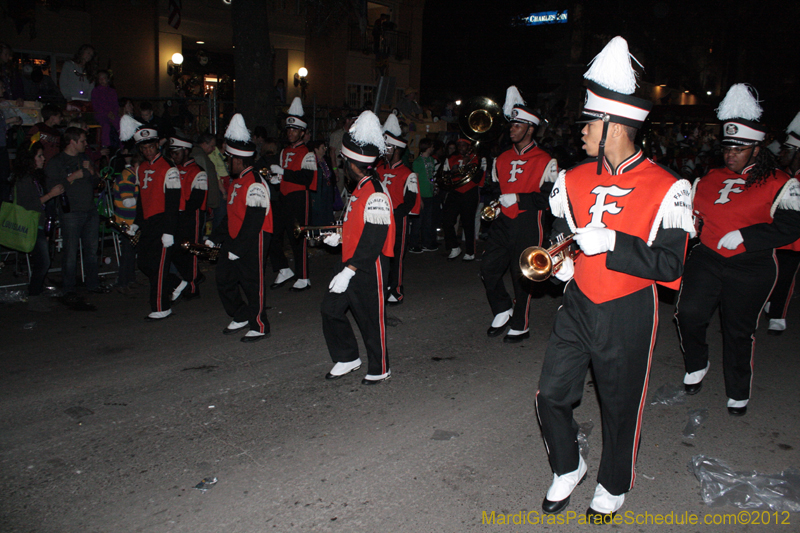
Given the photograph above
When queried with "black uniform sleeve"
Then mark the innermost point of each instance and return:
(369, 246)
(784, 229)
(195, 200)
(302, 177)
(220, 233)
(662, 261)
(409, 198)
(540, 201)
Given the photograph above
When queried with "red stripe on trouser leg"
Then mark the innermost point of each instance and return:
(381, 315)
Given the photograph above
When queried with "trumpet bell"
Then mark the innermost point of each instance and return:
(536, 263)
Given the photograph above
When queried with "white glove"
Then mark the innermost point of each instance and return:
(333, 240)
(566, 270)
(129, 202)
(595, 241)
(167, 240)
(232, 256)
(731, 240)
(507, 200)
(209, 243)
(132, 229)
(341, 280)
(276, 169)
(275, 180)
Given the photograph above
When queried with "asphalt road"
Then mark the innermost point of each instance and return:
(107, 423)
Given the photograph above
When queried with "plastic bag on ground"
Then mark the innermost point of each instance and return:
(669, 394)
(584, 430)
(720, 485)
(696, 419)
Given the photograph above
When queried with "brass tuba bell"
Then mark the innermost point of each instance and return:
(538, 264)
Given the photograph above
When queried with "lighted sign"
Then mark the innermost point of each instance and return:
(543, 17)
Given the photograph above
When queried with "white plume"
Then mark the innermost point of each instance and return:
(612, 67)
(794, 127)
(740, 102)
(513, 98)
(367, 130)
(237, 131)
(296, 108)
(127, 127)
(392, 125)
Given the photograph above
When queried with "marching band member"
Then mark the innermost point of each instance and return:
(462, 201)
(367, 240)
(296, 175)
(156, 214)
(403, 188)
(631, 217)
(525, 174)
(192, 215)
(245, 238)
(744, 211)
(788, 256)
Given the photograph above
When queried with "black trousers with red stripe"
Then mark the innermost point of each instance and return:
(465, 205)
(739, 286)
(617, 338)
(247, 274)
(292, 209)
(788, 265)
(507, 239)
(395, 284)
(364, 298)
(189, 229)
(154, 262)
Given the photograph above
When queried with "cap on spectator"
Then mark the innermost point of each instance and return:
(739, 112)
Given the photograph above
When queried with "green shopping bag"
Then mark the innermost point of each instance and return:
(18, 226)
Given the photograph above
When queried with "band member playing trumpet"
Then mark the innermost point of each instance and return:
(295, 176)
(525, 174)
(367, 240)
(245, 238)
(401, 183)
(631, 217)
(156, 213)
(192, 215)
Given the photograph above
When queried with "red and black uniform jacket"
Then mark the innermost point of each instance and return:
(368, 228)
(300, 169)
(647, 206)
(194, 187)
(767, 215)
(455, 161)
(401, 184)
(248, 214)
(529, 173)
(159, 196)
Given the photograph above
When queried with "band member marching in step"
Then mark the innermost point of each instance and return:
(631, 218)
(788, 256)
(156, 214)
(743, 211)
(296, 175)
(245, 238)
(367, 240)
(462, 202)
(525, 174)
(191, 218)
(401, 183)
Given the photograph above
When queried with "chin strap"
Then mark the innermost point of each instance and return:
(601, 150)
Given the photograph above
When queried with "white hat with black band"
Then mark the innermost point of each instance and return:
(130, 128)
(515, 109)
(237, 138)
(739, 113)
(392, 133)
(295, 118)
(364, 142)
(793, 131)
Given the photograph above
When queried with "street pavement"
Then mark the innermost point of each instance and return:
(108, 423)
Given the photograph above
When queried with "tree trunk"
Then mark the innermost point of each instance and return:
(253, 63)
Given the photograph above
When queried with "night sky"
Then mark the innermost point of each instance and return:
(471, 48)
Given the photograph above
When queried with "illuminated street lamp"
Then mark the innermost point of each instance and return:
(301, 81)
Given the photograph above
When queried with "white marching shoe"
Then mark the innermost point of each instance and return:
(604, 505)
(340, 369)
(776, 326)
(558, 494)
(178, 290)
(455, 252)
(693, 382)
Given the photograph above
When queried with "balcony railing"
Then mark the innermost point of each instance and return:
(393, 44)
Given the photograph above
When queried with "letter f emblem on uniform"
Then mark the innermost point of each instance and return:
(600, 206)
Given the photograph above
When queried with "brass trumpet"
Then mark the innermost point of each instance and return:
(315, 233)
(202, 251)
(491, 211)
(538, 264)
(123, 228)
